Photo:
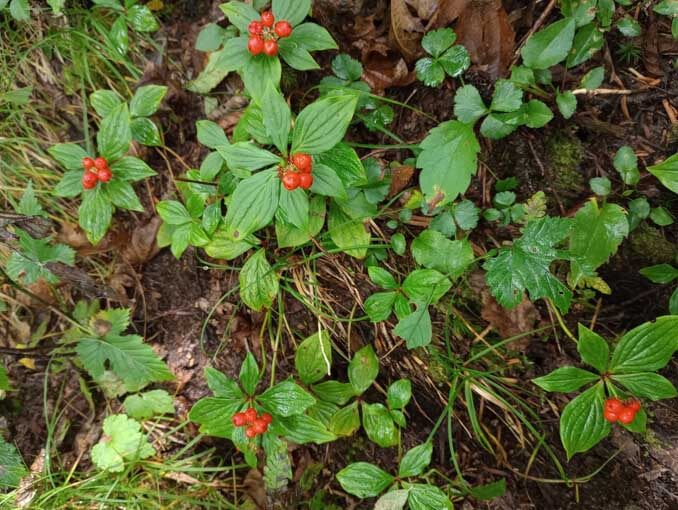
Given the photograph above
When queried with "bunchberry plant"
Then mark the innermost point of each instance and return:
(144, 103)
(105, 182)
(366, 480)
(130, 14)
(267, 37)
(623, 377)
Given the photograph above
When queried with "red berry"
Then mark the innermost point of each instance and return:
(610, 416)
(283, 29)
(614, 405)
(266, 418)
(88, 163)
(239, 419)
(105, 174)
(626, 416)
(250, 432)
(267, 19)
(303, 162)
(100, 163)
(255, 28)
(271, 47)
(255, 45)
(290, 180)
(89, 179)
(634, 405)
(250, 415)
(259, 426)
(305, 181)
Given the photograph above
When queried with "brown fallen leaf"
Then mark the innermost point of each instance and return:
(400, 178)
(485, 31)
(142, 245)
(385, 70)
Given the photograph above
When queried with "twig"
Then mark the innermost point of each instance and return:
(602, 92)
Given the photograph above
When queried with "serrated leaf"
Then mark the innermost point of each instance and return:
(433, 250)
(122, 442)
(415, 328)
(12, 468)
(148, 404)
(468, 105)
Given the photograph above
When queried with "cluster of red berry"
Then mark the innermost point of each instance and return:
(264, 34)
(297, 174)
(256, 425)
(616, 410)
(95, 170)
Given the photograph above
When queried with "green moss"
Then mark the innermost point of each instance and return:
(565, 154)
(649, 242)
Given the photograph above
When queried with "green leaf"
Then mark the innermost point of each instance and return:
(95, 214)
(489, 491)
(239, 14)
(293, 11)
(20, 10)
(148, 404)
(436, 42)
(122, 441)
(399, 394)
(455, 61)
(646, 348)
(313, 359)
(379, 425)
(31, 262)
(278, 467)
(173, 212)
(115, 134)
(673, 303)
(293, 207)
(364, 480)
(141, 19)
(302, 429)
(550, 45)
(565, 379)
(258, 282)
(249, 374)
(295, 56)
(468, 105)
(567, 103)
(345, 421)
(382, 278)
(629, 27)
(247, 155)
(507, 97)
(286, 399)
(363, 369)
(122, 195)
(525, 266)
(290, 236)
(131, 169)
(253, 204)
(146, 132)
(448, 160)
(647, 385)
(214, 415)
(594, 78)
(69, 155)
(415, 460)
(348, 234)
(210, 134)
(433, 250)
(313, 37)
(257, 72)
(597, 233)
(415, 328)
(128, 356)
(345, 162)
(230, 58)
(118, 36)
(429, 72)
(583, 11)
(661, 273)
(12, 468)
(427, 497)
(667, 8)
(70, 184)
(322, 125)
(146, 100)
(104, 101)
(601, 186)
(626, 163)
(593, 349)
(222, 386)
(537, 114)
(334, 391)
(582, 424)
(587, 42)
(210, 38)
(667, 172)
(393, 500)
(29, 204)
(379, 306)
(277, 118)
(347, 68)
(426, 285)
(661, 217)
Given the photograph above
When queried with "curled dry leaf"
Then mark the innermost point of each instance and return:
(400, 178)
(384, 70)
(485, 31)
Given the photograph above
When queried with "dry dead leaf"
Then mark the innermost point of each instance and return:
(485, 31)
(382, 71)
(142, 246)
(400, 178)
